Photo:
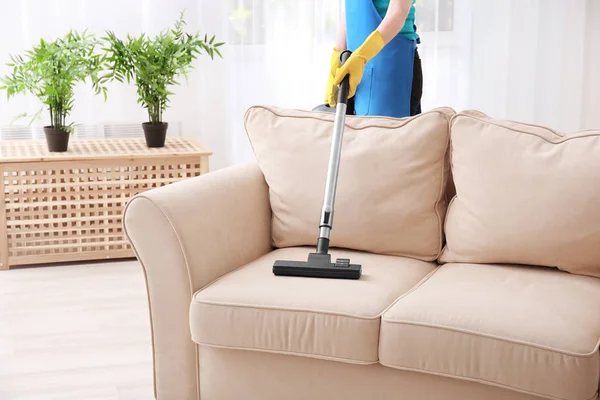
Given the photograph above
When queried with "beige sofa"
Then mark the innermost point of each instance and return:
(453, 316)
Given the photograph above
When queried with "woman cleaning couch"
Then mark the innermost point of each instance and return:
(385, 69)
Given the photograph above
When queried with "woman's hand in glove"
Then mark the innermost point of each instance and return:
(332, 89)
(355, 65)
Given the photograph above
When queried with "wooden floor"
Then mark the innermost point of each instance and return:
(75, 332)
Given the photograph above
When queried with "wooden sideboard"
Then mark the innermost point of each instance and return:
(59, 207)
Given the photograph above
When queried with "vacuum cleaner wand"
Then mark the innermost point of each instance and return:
(319, 264)
(334, 163)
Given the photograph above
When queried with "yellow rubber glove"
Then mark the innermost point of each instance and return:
(332, 89)
(355, 65)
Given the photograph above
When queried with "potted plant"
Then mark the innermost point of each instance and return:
(50, 71)
(155, 63)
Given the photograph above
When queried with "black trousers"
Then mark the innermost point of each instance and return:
(417, 86)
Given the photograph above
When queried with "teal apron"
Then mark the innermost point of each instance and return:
(386, 86)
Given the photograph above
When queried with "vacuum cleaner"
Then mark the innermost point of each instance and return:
(319, 263)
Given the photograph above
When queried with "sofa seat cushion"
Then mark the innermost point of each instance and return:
(325, 318)
(530, 329)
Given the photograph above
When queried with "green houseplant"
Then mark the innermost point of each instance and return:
(50, 71)
(155, 64)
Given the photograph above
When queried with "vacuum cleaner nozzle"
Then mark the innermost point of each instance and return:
(318, 266)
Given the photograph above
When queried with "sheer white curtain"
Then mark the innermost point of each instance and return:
(530, 60)
(23, 23)
(277, 53)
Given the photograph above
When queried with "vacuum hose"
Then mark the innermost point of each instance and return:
(345, 84)
(326, 223)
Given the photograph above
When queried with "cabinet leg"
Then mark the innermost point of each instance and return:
(204, 165)
(3, 226)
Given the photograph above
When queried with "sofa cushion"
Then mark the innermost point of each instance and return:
(524, 195)
(529, 329)
(325, 318)
(390, 196)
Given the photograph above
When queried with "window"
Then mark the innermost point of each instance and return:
(252, 22)
(246, 24)
(435, 15)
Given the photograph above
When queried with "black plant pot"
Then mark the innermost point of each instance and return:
(57, 139)
(155, 133)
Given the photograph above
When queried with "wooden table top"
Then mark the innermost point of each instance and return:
(92, 149)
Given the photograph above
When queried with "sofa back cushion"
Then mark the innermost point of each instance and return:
(391, 187)
(525, 194)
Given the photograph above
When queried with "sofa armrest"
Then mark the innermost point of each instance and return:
(186, 235)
